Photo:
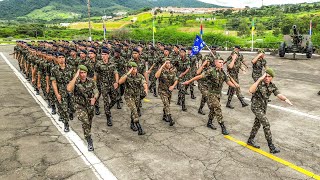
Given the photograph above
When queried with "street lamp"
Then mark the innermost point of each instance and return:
(104, 27)
(89, 21)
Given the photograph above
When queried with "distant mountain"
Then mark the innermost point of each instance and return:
(11, 9)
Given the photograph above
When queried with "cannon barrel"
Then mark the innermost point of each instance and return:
(295, 30)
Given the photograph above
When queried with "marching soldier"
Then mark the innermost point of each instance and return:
(60, 77)
(153, 62)
(234, 64)
(258, 63)
(261, 91)
(183, 68)
(133, 82)
(215, 77)
(167, 75)
(109, 81)
(86, 93)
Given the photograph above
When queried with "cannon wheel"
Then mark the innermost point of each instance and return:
(282, 49)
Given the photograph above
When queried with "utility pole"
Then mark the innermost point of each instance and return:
(89, 20)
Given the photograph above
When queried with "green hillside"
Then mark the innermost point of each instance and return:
(69, 9)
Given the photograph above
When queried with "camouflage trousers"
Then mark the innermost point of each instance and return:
(51, 96)
(99, 89)
(256, 76)
(63, 107)
(85, 115)
(204, 92)
(153, 80)
(166, 99)
(215, 107)
(109, 96)
(133, 102)
(44, 87)
(182, 91)
(232, 90)
(261, 118)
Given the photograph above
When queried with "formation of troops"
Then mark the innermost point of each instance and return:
(74, 76)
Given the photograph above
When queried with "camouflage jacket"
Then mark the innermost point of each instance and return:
(133, 85)
(91, 65)
(42, 68)
(167, 78)
(84, 91)
(106, 73)
(73, 63)
(260, 97)
(258, 66)
(215, 79)
(182, 64)
(62, 77)
(237, 63)
(120, 63)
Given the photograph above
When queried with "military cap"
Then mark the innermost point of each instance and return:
(93, 51)
(118, 50)
(215, 47)
(83, 68)
(136, 50)
(237, 46)
(83, 51)
(105, 51)
(72, 49)
(44, 51)
(176, 45)
(189, 48)
(261, 51)
(50, 53)
(132, 64)
(60, 54)
(183, 49)
(153, 48)
(168, 49)
(270, 72)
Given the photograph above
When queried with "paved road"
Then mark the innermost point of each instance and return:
(32, 147)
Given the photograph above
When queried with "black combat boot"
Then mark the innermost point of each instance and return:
(200, 111)
(139, 112)
(132, 126)
(272, 148)
(66, 127)
(97, 109)
(229, 104)
(140, 130)
(183, 103)
(244, 104)
(109, 120)
(210, 125)
(319, 93)
(90, 143)
(179, 101)
(165, 118)
(37, 91)
(170, 120)
(54, 110)
(192, 95)
(71, 116)
(118, 105)
(150, 89)
(155, 92)
(223, 129)
(252, 143)
(49, 105)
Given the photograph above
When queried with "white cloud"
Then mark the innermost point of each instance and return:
(254, 3)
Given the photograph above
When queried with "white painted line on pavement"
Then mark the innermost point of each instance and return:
(90, 159)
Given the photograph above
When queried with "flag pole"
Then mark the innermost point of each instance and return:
(153, 41)
(252, 29)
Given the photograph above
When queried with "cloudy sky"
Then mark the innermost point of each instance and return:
(254, 3)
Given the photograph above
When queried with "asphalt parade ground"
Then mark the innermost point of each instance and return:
(34, 146)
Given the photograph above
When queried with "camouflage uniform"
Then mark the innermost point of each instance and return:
(121, 65)
(83, 92)
(182, 66)
(166, 79)
(91, 65)
(153, 60)
(132, 94)
(42, 71)
(234, 74)
(259, 108)
(257, 68)
(203, 88)
(215, 79)
(63, 77)
(106, 73)
(51, 96)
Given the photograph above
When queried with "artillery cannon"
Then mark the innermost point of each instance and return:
(296, 43)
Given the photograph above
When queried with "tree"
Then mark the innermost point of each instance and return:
(244, 28)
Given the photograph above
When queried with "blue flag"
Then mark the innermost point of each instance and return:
(197, 45)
